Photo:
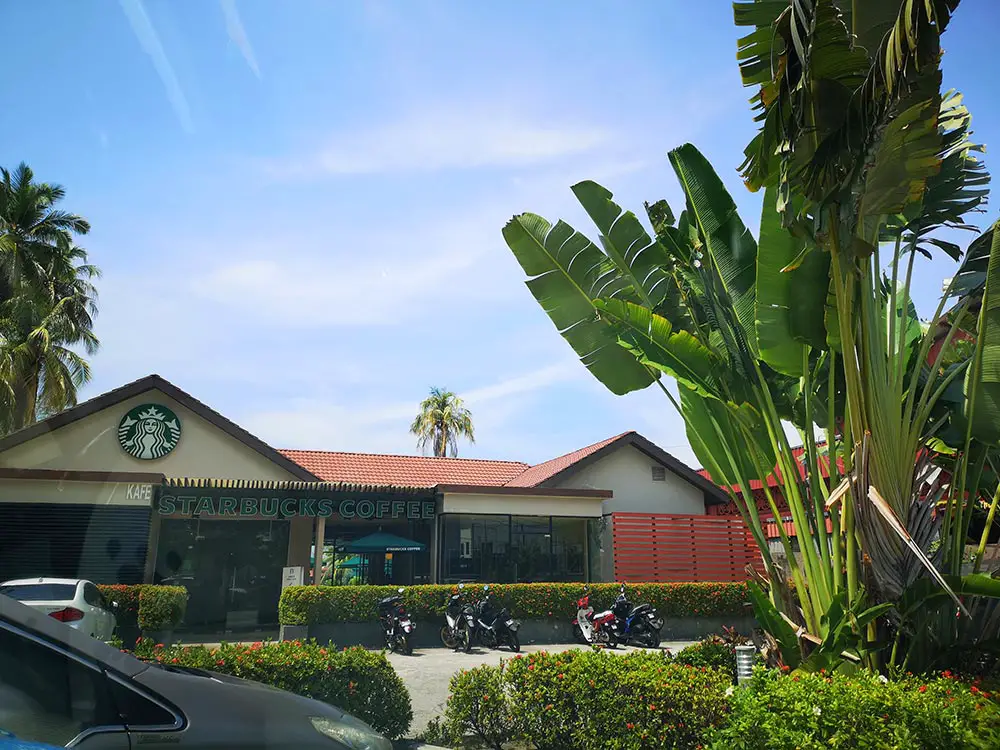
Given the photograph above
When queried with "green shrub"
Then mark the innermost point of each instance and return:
(587, 700)
(316, 605)
(360, 682)
(477, 705)
(814, 711)
(162, 607)
(710, 652)
(147, 607)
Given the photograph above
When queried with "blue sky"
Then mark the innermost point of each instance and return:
(297, 205)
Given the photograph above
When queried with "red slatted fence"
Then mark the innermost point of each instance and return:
(671, 547)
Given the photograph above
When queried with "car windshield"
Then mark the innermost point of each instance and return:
(39, 592)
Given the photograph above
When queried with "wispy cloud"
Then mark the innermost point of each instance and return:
(457, 137)
(384, 427)
(144, 31)
(238, 35)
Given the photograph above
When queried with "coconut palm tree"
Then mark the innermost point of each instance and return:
(442, 420)
(47, 301)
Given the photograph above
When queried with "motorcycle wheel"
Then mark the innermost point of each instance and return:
(652, 639)
(578, 635)
(489, 639)
(405, 647)
(449, 637)
(514, 641)
(464, 638)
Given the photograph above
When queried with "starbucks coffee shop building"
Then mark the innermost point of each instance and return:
(147, 484)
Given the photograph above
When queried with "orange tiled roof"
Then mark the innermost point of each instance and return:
(539, 473)
(410, 471)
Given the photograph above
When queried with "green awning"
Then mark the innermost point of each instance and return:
(381, 542)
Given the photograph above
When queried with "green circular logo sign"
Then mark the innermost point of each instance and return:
(149, 431)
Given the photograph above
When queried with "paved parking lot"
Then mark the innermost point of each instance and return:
(427, 672)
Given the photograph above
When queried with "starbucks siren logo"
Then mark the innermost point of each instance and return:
(149, 431)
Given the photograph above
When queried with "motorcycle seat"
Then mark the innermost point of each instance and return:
(639, 609)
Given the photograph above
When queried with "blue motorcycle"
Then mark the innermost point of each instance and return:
(640, 624)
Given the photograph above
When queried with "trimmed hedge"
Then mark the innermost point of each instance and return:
(318, 605)
(591, 700)
(147, 607)
(356, 680)
(816, 711)
(578, 700)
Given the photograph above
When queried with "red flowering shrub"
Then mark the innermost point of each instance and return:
(859, 711)
(360, 682)
(315, 605)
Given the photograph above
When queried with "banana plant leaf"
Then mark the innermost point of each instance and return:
(639, 259)
(657, 344)
(926, 594)
(728, 244)
(776, 626)
(985, 380)
(567, 272)
(723, 434)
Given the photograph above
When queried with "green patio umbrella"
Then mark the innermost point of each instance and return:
(381, 541)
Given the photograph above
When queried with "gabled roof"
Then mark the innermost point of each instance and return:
(138, 387)
(546, 474)
(413, 471)
(543, 472)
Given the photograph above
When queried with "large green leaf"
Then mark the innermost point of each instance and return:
(728, 244)
(776, 626)
(719, 438)
(639, 259)
(925, 594)
(655, 341)
(986, 383)
(565, 267)
(792, 280)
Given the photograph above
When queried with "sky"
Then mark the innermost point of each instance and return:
(297, 206)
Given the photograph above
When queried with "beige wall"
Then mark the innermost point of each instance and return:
(522, 505)
(627, 472)
(80, 493)
(91, 444)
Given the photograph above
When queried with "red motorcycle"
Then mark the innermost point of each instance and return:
(591, 628)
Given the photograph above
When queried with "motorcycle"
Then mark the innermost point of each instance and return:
(590, 628)
(492, 629)
(641, 623)
(396, 623)
(458, 622)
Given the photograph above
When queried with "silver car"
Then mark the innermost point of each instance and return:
(62, 687)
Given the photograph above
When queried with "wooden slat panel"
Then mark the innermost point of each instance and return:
(672, 547)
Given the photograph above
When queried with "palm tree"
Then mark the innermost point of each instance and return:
(442, 420)
(47, 301)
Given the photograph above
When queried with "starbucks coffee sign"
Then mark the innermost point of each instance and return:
(214, 502)
(149, 431)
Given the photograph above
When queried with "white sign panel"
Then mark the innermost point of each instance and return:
(291, 576)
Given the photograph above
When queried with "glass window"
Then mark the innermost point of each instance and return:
(569, 544)
(91, 595)
(476, 547)
(231, 569)
(531, 548)
(40, 592)
(45, 696)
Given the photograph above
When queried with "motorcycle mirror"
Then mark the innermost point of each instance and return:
(400, 589)
(461, 586)
(486, 587)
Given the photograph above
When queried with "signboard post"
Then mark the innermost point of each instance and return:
(291, 576)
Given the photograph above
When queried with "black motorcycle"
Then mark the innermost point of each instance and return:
(459, 621)
(492, 628)
(640, 624)
(396, 623)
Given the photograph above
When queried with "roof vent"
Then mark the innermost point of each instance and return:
(659, 474)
